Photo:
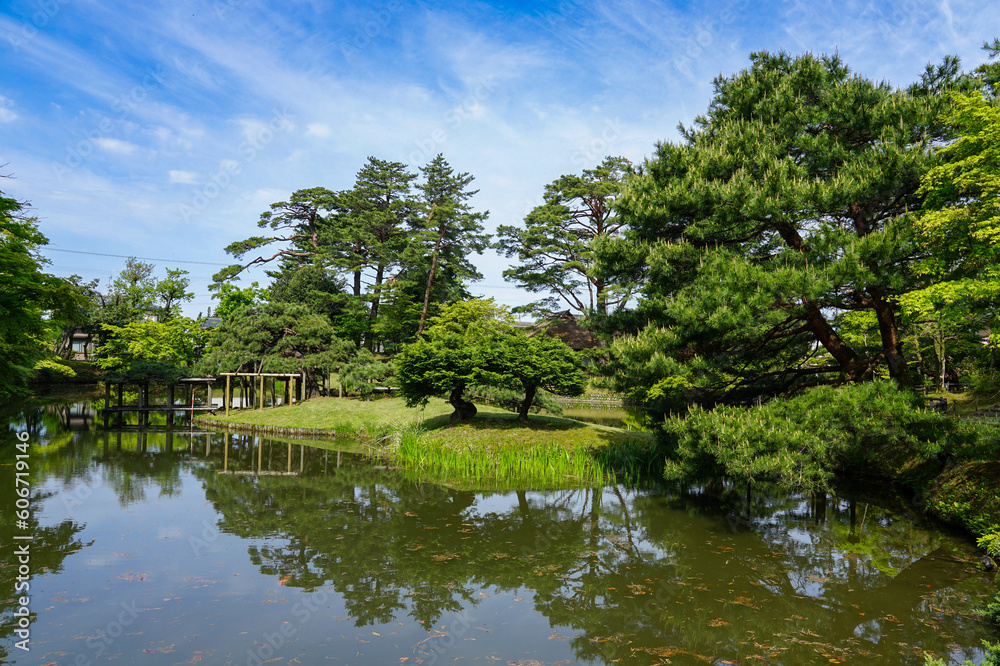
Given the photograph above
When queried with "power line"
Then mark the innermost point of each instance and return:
(123, 256)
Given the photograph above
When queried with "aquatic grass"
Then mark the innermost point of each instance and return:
(545, 463)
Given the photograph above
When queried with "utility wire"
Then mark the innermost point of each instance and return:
(123, 256)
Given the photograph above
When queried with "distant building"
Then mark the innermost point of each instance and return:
(80, 346)
(210, 322)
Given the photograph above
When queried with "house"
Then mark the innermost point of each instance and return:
(78, 346)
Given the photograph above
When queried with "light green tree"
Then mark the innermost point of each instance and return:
(150, 349)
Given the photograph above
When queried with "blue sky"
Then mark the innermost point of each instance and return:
(164, 129)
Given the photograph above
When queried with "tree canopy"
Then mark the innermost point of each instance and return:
(556, 247)
(790, 202)
(33, 304)
(473, 343)
(376, 258)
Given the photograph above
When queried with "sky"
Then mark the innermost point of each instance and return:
(162, 130)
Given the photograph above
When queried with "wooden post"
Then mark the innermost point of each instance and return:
(227, 398)
(291, 394)
(260, 401)
(170, 401)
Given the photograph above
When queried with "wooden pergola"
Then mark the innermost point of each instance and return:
(288, 377)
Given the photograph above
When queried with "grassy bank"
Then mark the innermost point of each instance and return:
(490, 449)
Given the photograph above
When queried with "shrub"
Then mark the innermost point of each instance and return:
(803, 441)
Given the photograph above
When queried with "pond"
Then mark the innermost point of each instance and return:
(215, 548)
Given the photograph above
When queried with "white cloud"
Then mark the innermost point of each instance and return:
(116, 146)
(321, 130)
(7, 114)
(183, 177)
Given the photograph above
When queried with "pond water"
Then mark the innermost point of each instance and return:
(215, 548)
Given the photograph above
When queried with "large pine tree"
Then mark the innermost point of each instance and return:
(787, 204)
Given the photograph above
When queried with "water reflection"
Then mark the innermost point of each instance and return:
(232, 546)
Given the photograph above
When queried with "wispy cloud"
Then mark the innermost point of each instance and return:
(116, 146)
(7, 113)
(182, 177)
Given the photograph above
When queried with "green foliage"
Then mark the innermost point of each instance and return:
(150, 348)
(803, 441)
(556, 247)
(473, 343)
(232, 298)
(788, 205)
(447, 230)
(533, 363)
(276, 337)
(983, 378)
(476, 314)
(377, 258)
(51, 370)
(992, 613)
(34, 305)
(990, 542)
(439, 364)
(364, 372)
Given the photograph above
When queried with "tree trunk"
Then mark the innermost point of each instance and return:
(373, 314)
(921, 367)
(430, 278)
(464, 410)
(529, 398)
(850, 363)
(430, 281)
(892, 345)
(939, 352)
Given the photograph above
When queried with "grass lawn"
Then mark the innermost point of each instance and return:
(348, 417)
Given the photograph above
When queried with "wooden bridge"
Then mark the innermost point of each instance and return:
(188, 401)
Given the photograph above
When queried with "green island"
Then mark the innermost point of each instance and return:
(493, 446)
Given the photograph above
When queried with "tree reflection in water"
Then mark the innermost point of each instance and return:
(590, 574)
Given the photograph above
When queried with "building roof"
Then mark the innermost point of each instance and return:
(564, 326)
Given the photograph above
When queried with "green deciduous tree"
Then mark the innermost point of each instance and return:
(34, 305)
(171, 291)
(232, 298)
(150, 349)
(556, 247)
(533, 363)
(789, 203)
